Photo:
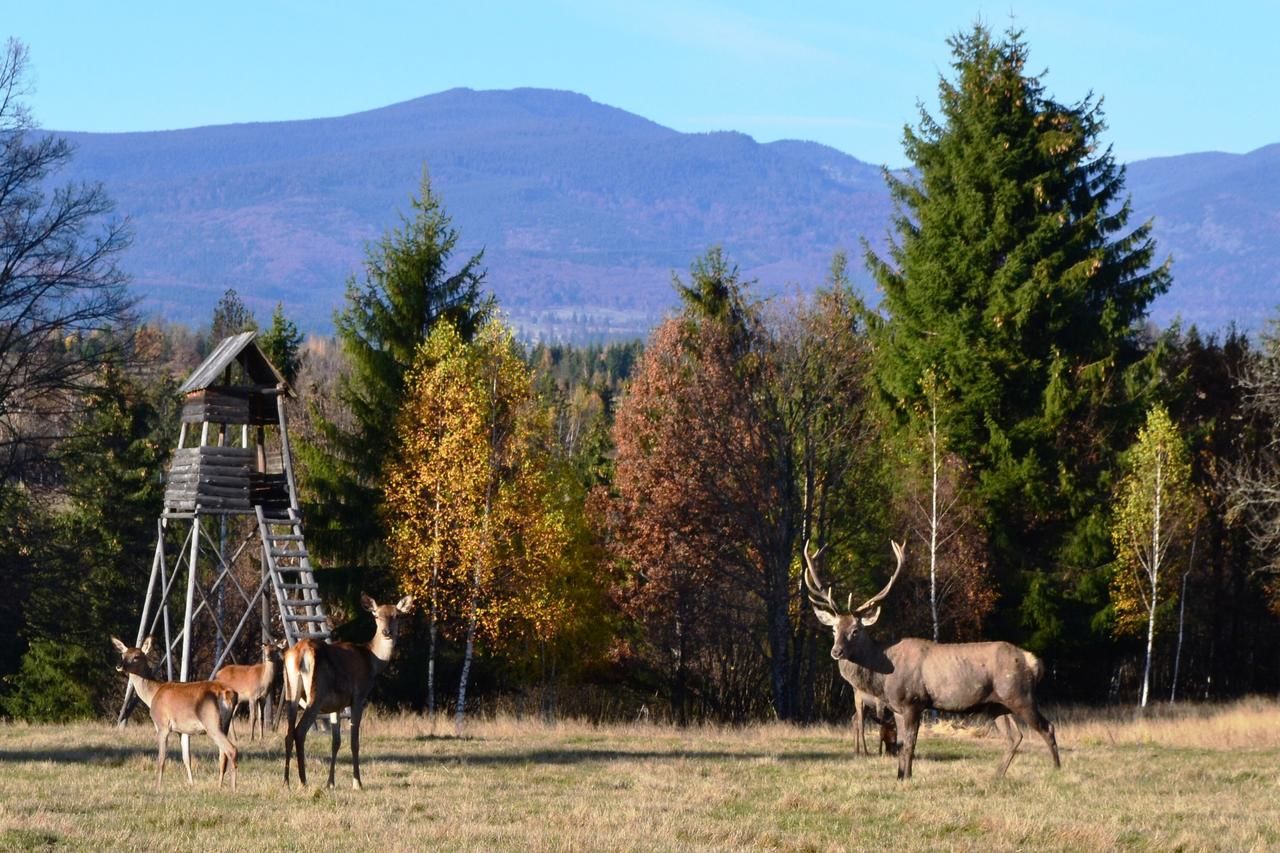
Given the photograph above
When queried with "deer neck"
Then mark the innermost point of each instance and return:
(380, 648)
(145, 687)
(870, 656)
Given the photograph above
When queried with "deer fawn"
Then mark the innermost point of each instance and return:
(252, 682)
(324, 678)
(188, 708)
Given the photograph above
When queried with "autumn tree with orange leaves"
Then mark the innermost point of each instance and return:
(729, 449)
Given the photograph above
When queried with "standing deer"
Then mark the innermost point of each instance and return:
(913, 675)
(252, 682)
(324, 678)
(185, 707)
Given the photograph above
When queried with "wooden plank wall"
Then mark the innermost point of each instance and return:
(210, 478)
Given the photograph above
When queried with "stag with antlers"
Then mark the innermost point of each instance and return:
(914, 675)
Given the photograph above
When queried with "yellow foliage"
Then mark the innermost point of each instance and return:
(468, 498)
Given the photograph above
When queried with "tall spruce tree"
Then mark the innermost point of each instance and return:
(1015, 279)
(407, 288)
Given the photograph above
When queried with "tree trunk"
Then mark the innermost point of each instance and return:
(432, 627)
(1177, 655)
(934, 521)
(779, 617)
(466, 668)
(1153, 574)
(1146, 670)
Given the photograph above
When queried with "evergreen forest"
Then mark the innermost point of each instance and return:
(619, 530)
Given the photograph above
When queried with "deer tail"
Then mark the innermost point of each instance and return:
(299, 672)
(1035, 665)
(292, 673)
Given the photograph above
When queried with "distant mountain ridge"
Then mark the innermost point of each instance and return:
(584, 210)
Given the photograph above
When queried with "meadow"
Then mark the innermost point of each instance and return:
(1197, 777)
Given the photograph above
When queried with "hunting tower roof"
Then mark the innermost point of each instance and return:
(239, 348)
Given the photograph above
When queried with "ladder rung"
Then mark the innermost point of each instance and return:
(302, 602)
(281, 552)
(304, 586)
(285, 537)
(305, 618)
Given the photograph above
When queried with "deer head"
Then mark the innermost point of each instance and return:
(387, 615)
(847, 627)
(134, 660)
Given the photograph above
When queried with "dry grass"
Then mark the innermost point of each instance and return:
(1202, 778)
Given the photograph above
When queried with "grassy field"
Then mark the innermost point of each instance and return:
(1203, 778)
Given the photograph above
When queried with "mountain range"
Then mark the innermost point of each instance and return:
(584, 211)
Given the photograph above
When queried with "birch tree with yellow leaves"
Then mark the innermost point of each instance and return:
(470, 498)
(1155, 508)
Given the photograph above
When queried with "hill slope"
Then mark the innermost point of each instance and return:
(583, 210)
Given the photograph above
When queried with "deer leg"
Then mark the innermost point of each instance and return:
(217, 723)
(909, 731)
(1037, 721)
(187, 761)
(859, 723)
(356, 713)
(164, 753)
(291, 723)
(335, 728)
(296, 737)
(1009, 728)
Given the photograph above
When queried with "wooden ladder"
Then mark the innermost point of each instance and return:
(284, 549)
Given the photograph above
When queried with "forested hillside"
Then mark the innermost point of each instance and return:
(583, 210)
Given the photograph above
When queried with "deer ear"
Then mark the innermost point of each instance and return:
(828, 619)
(120, 647)
(405, 604)
(367, 602)
(870, 619)
(146, 645)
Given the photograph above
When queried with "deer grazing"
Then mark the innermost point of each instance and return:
(185, 707)
(324, 678)
(913, 675)
(252, 682)
(880, 714)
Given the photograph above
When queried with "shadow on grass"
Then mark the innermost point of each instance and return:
(318, 749)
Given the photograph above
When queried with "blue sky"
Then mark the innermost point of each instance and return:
(1176, 77)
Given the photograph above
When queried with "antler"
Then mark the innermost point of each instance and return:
(899, 551)
(823, 599)
(818, 597)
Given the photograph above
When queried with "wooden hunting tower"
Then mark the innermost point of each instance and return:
(230, 491)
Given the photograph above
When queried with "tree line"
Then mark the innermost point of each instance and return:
(617, 530)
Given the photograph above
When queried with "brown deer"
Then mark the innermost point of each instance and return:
(913, 675)
(880, 713)
(252, 682)
(185, 707)
(324, 678)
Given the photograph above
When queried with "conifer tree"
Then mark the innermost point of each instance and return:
(88, 576)
(407, 288)
(1015, 277)
(282, 343)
